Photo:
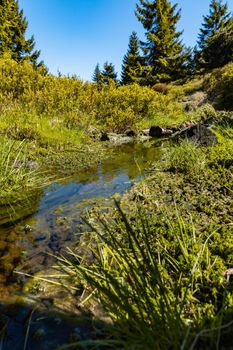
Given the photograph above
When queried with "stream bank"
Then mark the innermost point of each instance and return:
(56, 223)
(31, 245)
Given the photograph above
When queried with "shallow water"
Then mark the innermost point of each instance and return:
(56, 220)
(55, 224)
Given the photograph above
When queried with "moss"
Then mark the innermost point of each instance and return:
(178, 224)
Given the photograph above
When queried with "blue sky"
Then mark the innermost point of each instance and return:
(73, 35)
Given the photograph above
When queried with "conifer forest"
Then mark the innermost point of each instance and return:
(116, 194)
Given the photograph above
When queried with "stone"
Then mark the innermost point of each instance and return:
(192, 102)
(27, 228)
(104, 137)
(32, 165)
(116, 139)
(198, 133)
(143, 138)
(156, 131)
(167, 132)
(130, 133)
(145, 132)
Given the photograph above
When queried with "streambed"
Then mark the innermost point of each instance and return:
(56, 223)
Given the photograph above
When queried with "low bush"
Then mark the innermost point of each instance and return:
(135, 106)
(219, 85)
(80, 104)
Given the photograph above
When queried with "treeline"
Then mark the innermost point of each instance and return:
(162, 57)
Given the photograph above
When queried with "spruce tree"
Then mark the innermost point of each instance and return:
(108, 73)
(131, 67)
(13, 27)
(208, 54)
(163, 51)
(213, 23)
(218, 50)
(97, 75)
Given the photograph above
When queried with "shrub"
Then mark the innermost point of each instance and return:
(78, 104)
(134, 106)
(161, 87)
(219, 85)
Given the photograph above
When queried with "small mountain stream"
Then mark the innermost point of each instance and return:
(56, 221)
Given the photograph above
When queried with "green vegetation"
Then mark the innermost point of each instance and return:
(161, 267)
(219, 85)
(131, 67)
(16, 172)
(12, 33)
(161, 262)
(97, 74)
(164, 56)
(53, 116)
(216, 21)
(215, 43)
(219, 50)
(21, 179)
(214, 37)
(106, 76)
(66, 103)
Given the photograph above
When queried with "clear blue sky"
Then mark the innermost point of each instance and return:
(73, 35)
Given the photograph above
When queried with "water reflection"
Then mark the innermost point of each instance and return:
(116, 174)
(11, 212)
(56, 221)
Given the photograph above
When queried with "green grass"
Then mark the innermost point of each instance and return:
(159, 266)
(46, 131)
(21, 181)
(15, 173)
(160, 284)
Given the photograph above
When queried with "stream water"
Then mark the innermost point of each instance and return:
(56, 221)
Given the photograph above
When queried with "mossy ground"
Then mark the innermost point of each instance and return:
(176, 225)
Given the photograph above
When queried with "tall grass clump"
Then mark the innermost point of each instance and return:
(16, 175)
(186, 157)
(158, 280)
